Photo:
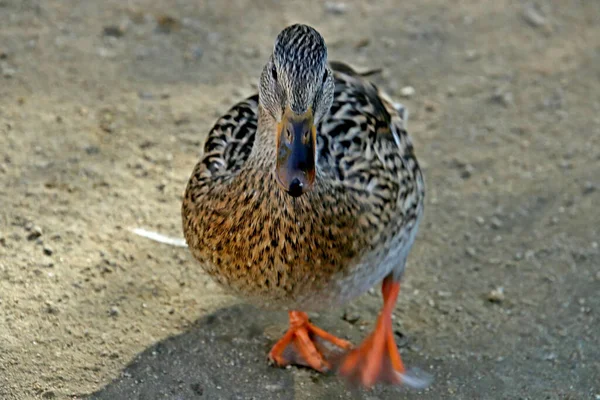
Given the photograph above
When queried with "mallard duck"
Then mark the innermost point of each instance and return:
(307, 195)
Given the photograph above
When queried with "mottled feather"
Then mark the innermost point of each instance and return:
(329, 245)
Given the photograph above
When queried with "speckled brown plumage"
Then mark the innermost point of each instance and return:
(351, 230)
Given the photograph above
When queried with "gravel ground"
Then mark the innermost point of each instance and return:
(103, 110)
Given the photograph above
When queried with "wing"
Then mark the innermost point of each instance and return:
(230, 140)
(363, 143)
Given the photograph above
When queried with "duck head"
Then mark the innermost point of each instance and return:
(296, 90)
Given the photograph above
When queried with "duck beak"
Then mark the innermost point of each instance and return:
(296, 147)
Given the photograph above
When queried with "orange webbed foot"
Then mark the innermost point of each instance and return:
(377, 359)
(302, 344)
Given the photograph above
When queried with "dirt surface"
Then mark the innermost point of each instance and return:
(104, 106)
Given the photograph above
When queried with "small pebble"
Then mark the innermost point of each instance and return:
(496, 295)
(480, 221)
(472, 55)
(274, 388)
(51, 308)
(588, 188)
(407, 91)
(529, 255)
(34, 233)
(502, 97)
(91, 149)
(197, 52)
(336, 7)
(105, 52)
(364, 42)
(251, 52)
(467, 171)
(388, 42)
(114, 31)
(114, 311)
(48, 251)
(7, 72)
(197, 389)
(166, 24)
(496, 223)
(350, 317)
(401, 339)
(565, 164)
(533, 16)
(470, 251)
(430, 106)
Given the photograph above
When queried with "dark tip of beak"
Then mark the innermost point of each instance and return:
(296, 188)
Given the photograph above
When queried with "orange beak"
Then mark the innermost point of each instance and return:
(296, 149)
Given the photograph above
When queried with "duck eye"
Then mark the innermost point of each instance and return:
(274, 72)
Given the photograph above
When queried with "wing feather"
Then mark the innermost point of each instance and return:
(230, 140)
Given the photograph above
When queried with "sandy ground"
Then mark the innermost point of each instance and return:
(103, 109)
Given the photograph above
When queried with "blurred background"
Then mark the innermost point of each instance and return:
(104, 106)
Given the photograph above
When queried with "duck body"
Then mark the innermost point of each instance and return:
(306, 196)
(355, 227)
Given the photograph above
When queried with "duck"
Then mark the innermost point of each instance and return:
(308, 194)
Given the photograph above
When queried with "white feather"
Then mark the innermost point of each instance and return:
(157, 237)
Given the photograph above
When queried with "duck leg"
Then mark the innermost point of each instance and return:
(300, 344)
(377, 359)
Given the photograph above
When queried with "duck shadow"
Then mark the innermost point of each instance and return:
(222, 356)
